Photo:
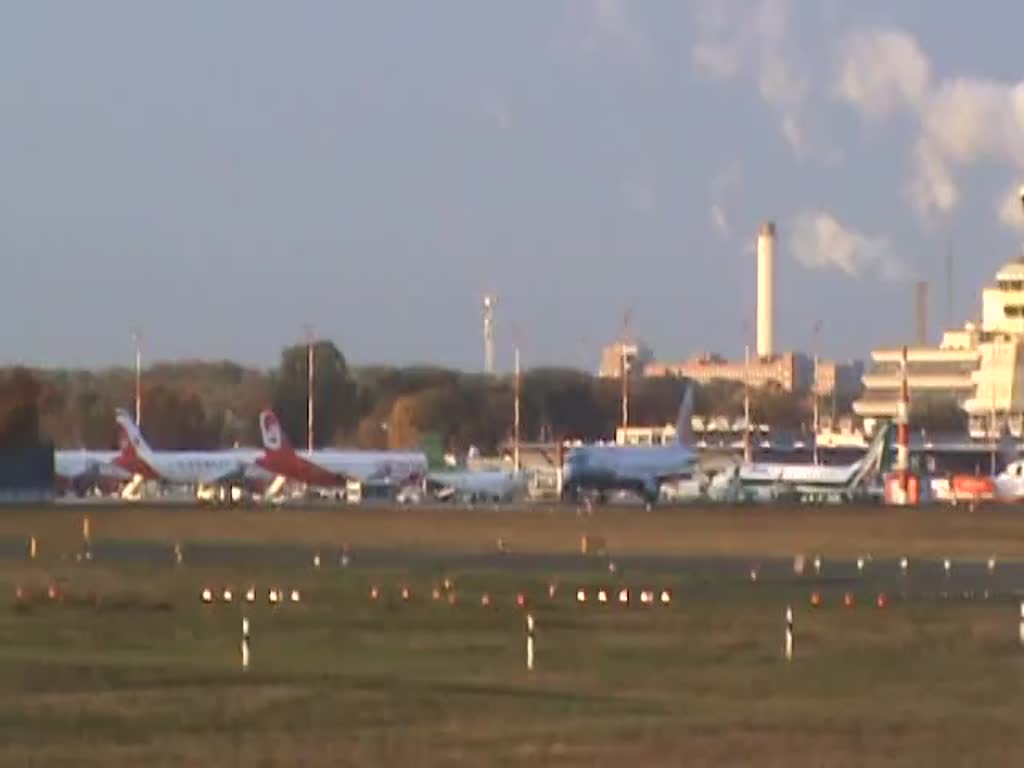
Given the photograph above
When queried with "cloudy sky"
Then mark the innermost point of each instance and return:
(219, 174)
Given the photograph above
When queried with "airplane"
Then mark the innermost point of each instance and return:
(1006, 486)
(763, 481)
(198, 468)
(77, 471)
(333, 468)
(496, 485)
(641, 469)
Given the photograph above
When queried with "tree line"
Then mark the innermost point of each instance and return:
(206, 405)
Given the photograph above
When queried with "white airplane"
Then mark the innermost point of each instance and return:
(196, 468)
(764, 481)
(333, 468)
(1009, 484)
(497, 485)
(78, 471)
(641, 469)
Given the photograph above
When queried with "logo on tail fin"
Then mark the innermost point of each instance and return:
(273, 440)
(684, 423)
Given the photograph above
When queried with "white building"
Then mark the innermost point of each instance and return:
(980, 366)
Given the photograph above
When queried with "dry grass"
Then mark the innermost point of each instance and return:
(338, 680)
(833, 531)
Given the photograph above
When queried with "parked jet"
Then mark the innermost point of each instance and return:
(641, 469)
(1009, 484)
(808, 482)
(497, 485)
(79, 471)
(198, 468)
(331, 468)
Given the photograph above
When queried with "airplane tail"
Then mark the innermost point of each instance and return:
(133, 445)
(879, 457)
(274, 438)
(684, 422)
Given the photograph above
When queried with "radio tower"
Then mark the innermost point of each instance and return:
(489, 305)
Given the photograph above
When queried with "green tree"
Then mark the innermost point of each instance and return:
(433, 410)
(560, 402)
(334, 392)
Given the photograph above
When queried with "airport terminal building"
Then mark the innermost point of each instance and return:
(980, 366)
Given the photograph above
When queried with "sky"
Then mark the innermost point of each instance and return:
(220, 175)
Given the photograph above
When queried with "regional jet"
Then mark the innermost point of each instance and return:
(495, 485)
(762, 481)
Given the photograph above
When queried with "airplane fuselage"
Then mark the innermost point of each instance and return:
(477, 485)
(641, 469)
(332, 468)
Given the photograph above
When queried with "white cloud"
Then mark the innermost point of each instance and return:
(739, 39)
(961, 121)
(818, 240)
(932, 190)
(495, 109)
(596, 24)
(1010, 209)
(723, 190)
(884, 71)
(970, 119)
(719, 220)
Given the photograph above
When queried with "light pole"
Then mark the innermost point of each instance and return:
(747, 453)
(814, 389)
(137, 340)
(625, 371)
(625, 391)
(515, 419)
(309, 388)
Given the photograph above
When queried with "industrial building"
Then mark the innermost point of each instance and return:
(791, 371)
(635, 356)
(979, 367)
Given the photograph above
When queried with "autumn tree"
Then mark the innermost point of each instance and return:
(19, 409)
(175, 420)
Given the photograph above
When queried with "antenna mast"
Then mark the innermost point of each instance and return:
(490, 303)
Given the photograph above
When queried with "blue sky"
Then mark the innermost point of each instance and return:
(220, 174)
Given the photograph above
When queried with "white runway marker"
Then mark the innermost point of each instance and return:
(789, 633)
(245, 644)
(529, 642)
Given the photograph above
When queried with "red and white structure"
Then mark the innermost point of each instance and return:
(902, 489)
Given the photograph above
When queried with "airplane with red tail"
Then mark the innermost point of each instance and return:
(332, 468)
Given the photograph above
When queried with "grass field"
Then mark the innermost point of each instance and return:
(755, 531)
(130, 668)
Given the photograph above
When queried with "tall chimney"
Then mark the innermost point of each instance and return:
(766, 290)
